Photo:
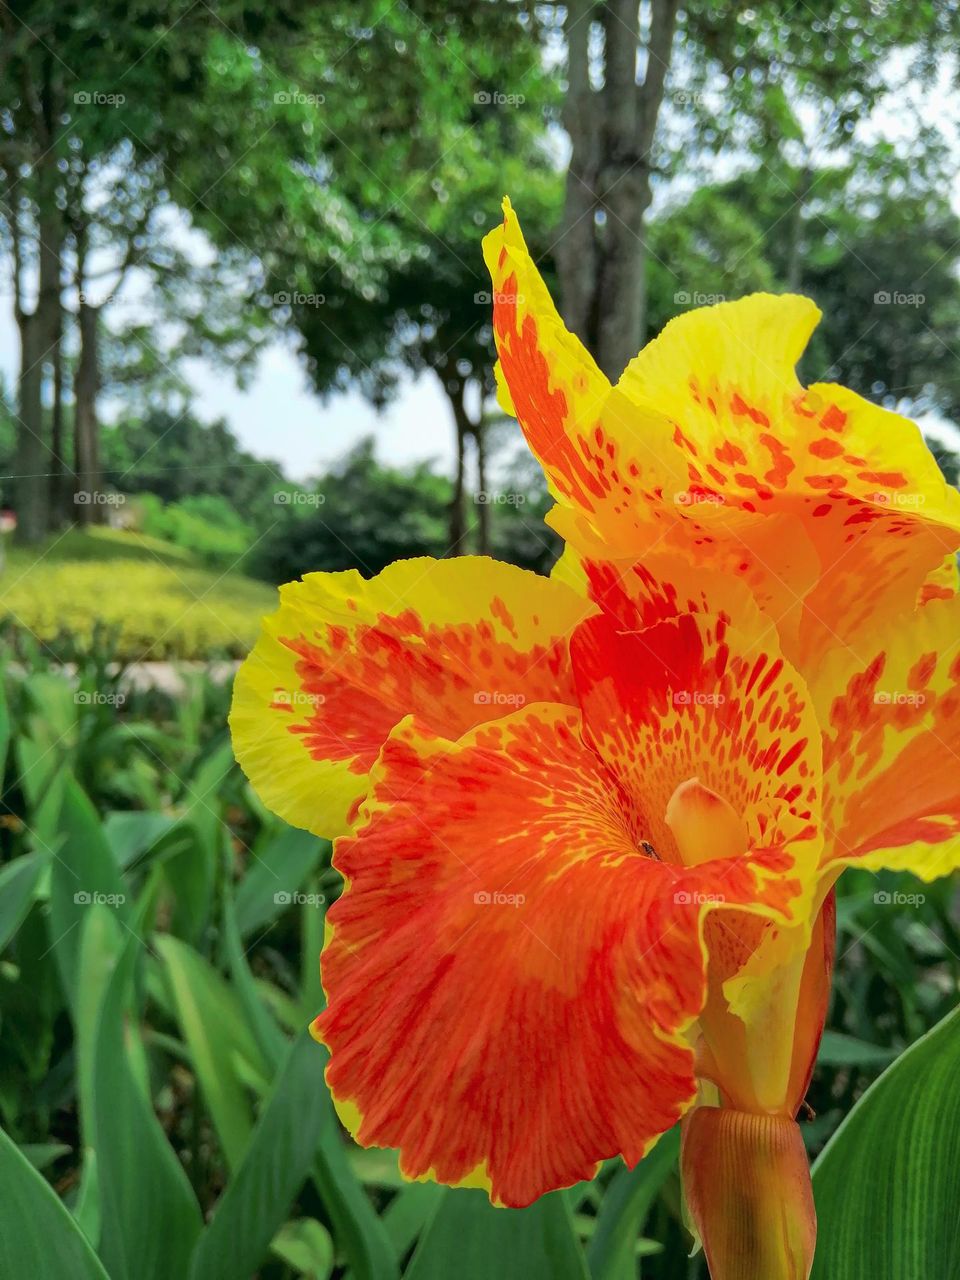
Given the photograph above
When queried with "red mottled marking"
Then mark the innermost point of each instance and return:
(834, 419)
(825, 448)
(892, 479)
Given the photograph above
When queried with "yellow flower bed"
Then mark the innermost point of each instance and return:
(162, 605)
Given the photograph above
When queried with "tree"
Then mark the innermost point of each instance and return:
(710, 76)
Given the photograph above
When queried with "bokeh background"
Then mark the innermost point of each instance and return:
(246, 334)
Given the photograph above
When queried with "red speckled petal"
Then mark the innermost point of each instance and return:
(509, 974)
(890, 712)
(457, 642)
(693, 697)
(830, 509)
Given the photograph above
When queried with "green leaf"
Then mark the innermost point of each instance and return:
(84, 874)
(306, 1246)
(131, 834)
(624, 1208)
(887, 1185)
(537, 1243)
(277, 870)
(277, 1160)
(17, 881)
(39, 1237)
(839, 1050)
(150, 1218)
(216, 1032)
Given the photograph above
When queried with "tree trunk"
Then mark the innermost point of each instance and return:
(602, 266)
(454, 388)
(89, 484)
(61, 504)
(39, 329)
(576, 248)
(483, 510)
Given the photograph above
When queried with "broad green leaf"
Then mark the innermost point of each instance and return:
(101, 945)
(4, 730)
(839, 1050)
(133, 833)
(39, 1237)
(17, 882)
(276, 1162)
(624, 1208)
(305, 1245)
(42, 1154)
(83, 874)
(409, 1212)
(887, 1185)
(272, 1042)
(278, 869)
(361, 1235)
(467, 1232)
(217, 1034)
(191, 872)
(149, 1216)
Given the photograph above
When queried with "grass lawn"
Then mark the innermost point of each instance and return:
(157, 599)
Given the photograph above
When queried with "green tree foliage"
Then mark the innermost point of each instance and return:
(175, 455)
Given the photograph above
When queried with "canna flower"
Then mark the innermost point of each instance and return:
(589, 827)
(830, 508)
(553, 818)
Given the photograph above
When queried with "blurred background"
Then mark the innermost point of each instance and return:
(246, 334)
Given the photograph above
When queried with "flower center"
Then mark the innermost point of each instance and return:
(704, 825)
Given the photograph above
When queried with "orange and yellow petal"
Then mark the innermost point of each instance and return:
(831, 509)
(552, 384)
(890, 711)
(457, 642)
(510, 974)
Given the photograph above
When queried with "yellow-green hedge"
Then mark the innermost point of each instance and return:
(164, 607)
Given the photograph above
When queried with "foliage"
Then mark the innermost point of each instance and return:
(206, 525)
(156, 597)
(160, 932)
(176, 456)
